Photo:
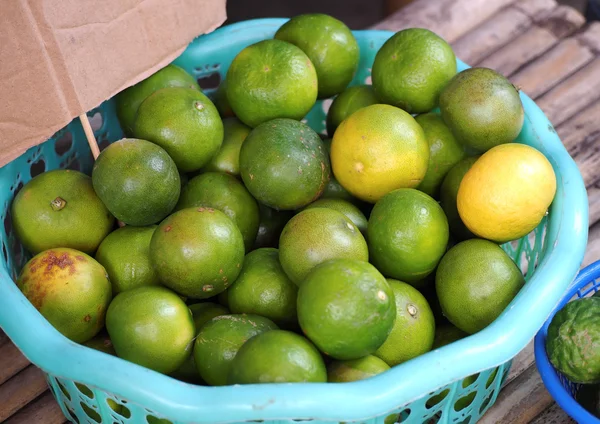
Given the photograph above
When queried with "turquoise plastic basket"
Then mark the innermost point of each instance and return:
(550, 258)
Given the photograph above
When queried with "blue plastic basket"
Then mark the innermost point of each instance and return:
(561, 389)
(550, 258)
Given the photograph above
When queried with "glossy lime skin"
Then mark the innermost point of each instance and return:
(70, 289)
(271, 79)
(348, 209)
(125, 253)
(346, 308)
(284, 164)
(316, 235)
(151, 326)
(482, 108)
(408, 234)
(226, 193)
(137, 181)
(348, 102)
(184, 122)
(355, 369)
(227, 158)
(129, 100)
(277, 356)
(573, 341)
(264, 289)
(219, 341)
(412, 68)
(330, 46)
(81, 223)
(198, 252)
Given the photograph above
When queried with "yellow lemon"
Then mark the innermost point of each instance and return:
(377, 149)
(507, 192)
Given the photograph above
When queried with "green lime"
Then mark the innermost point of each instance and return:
(151, 326)
(125, 253)
(316, 235)
(60, 209)
(262, 288)
(227, 194)
(348, 102)
(446, 334)
(482, 108)
(412, 68)
(198, 252)
(355, 369)
(346, 308)
(348, 209)
(284, 164)
(228, 158)
(573, 341)
(184, 122)
(277, 356)
(220, 339)
(221, 102)
(137, 181)
(475, 281)
(408, 234)
(444, 152)
(102, 343)
(129, 100)
(271, 79)
(333, 189)
(271, 225)
(330, 46)
(448, 195)
(70, 289)
(414, 328)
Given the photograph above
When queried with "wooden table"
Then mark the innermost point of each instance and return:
(544, 48)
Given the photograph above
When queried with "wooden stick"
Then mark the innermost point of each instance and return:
(89, 134)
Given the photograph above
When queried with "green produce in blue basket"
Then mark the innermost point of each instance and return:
(70, 289)
(227, 158)
(271, 224)
(137, 181)
(573, 340)
(355, 369)
(348, 102)
(60, 209)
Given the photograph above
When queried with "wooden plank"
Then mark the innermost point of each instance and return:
(560, 23)
(522, 362)
(553, 415)
(20, 390)
(521, 401)
(543, 73)
(535, 8)
(592, 253)
(448, 18)
(11, 361)
(588, 160)
(594, 203)
(3, 338)
(582, 126)
(591, 37)
(43, 410)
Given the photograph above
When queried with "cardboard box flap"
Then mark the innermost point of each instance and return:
(61, 58)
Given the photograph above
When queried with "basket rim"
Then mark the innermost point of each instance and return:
(546, 369)
(496, 344)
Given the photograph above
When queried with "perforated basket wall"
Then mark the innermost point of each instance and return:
(428, 389)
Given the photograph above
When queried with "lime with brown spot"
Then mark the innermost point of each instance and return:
(330, 46)
(346, 308)
(444, 152)
(284, 164)
(60, 209)
(198, 252)
(348, 209)
(227, 158)
(151, 326)
(348, 102)
(101, 342)
(226, 193)
(219, 341)
(128, 101)
(277, 356)
(271, 79)
(316, 235)
(184, 122)
(125, 254)
(355, 369)
(70, 289)
(270, 226)
(414, 329)
(263, 288)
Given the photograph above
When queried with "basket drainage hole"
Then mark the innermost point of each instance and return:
(491, 378)
(436, 399)
(63, 144)
(404, 415)
(62, 389)
(91, 413)
(154, 420)
(96, 121)
(4, 252)
(103, 144)
(37, 168)
(464, 402)
(391, 419)
(85, 390)
(74, 165)
(210, 81)
(7, 224)
(485, 403)
(122, 411)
